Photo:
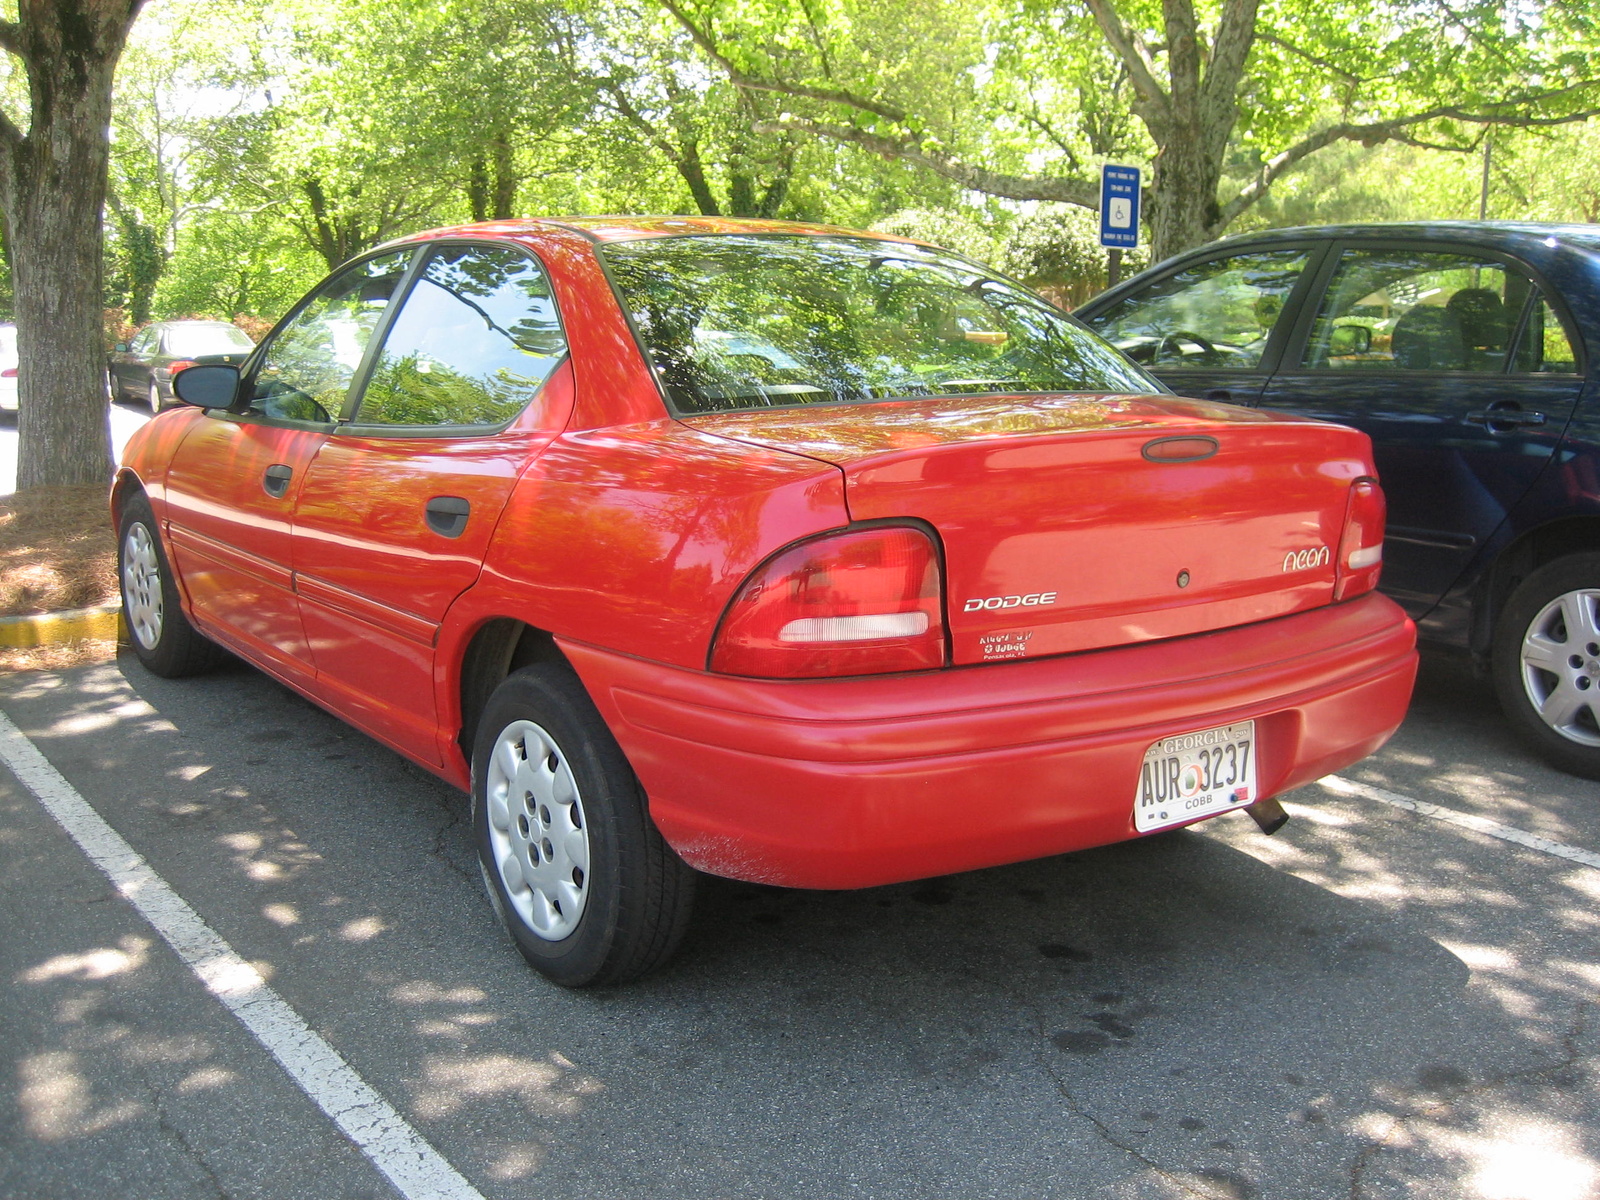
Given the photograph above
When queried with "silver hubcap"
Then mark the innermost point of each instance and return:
(537, 830)
(1561, 665)
(141, 585)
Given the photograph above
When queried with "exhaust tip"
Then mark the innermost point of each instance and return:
(1268, 814)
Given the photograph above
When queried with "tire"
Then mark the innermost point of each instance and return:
(574, 867)
(154, 398)
(1546, 663)
(161, 635)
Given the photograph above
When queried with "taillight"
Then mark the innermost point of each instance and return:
(1361, 545)
(859, 603)
(183, 363)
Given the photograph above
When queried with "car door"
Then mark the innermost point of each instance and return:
(1211, 328)
(397, 508)
(235, 478)
(130, 373)
(1458, 365)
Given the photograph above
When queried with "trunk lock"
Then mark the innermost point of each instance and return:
(1183, 578)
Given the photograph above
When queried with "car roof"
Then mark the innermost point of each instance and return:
(1485, 233)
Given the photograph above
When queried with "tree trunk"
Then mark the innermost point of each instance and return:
(1181, 200)
(505, 179)
(52, 189)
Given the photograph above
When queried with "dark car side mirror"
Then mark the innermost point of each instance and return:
(1349, 339)
(208, 386)
(120, 348)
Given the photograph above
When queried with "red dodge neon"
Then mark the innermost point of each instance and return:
(780, 552)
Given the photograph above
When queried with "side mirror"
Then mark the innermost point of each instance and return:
(207, 386)
(121, 348)
(1349, 339)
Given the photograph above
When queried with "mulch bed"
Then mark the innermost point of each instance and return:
(57, 550)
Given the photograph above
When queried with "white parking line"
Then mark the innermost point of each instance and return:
(415, 1168)
(1507, 833)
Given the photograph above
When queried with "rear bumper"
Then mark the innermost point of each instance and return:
(879, 779)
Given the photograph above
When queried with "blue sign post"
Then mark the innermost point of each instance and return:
(1119, 215)
(1119, 207)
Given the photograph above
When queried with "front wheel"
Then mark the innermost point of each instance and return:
(1546, 661)
(161, 635)
(576, 870)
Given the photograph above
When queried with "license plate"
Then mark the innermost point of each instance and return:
(1194, 775)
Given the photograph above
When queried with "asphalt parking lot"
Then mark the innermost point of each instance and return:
(1380, 1001)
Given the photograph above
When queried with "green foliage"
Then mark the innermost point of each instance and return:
(227, 265)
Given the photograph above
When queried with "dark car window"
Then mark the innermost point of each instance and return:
(1213, 314)
(309, 363)
(1414, 310)
(1544, 348)
(145, 342)
(746, 321)
(474, 339)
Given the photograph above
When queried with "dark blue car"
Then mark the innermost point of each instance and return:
(1468, 351)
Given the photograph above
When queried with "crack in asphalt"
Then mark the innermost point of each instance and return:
(175, 1133)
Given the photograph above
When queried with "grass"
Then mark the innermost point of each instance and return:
(57, 550)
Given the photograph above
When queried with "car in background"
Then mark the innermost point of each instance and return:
(8, 367)
(774, 551)
(1470, 352)
(142, 369)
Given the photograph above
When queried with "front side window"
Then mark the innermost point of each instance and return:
(307, 368)
(476, 336)
(751, 321)
(1214, 314)
(1413, 310)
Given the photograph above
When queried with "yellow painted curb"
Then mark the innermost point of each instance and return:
(58, 628)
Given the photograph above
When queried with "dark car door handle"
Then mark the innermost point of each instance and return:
(276, 479)
(1506, 416)
(447, 515)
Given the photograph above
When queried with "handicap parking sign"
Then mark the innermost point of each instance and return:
(1119, 207)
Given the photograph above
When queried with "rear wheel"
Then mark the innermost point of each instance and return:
(161, 635)
(1546, 661)
(576, 870)
(155, 396)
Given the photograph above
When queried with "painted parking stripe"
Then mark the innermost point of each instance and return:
(1506, 833)
(415, 1168)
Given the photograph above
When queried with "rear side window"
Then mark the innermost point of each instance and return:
(754, 321)
(1544, 348)
(475, 337)
(1413, 310)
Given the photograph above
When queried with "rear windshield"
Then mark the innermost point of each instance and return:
(757, 321)
(207, 339)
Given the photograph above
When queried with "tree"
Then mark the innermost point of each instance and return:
(52, 188)
(1227, 100)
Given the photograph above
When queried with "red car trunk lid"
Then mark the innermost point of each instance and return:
(1078, 522)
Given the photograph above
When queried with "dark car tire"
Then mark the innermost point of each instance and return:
(161, 635)
(575, 868)
(1546, 663)
(154, 398)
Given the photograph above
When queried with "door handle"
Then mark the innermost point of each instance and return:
(276, 480)
(1505, 416)
(447, 515)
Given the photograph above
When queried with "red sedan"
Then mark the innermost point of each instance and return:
(774, 551)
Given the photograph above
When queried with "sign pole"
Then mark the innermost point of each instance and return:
(1113, 266)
